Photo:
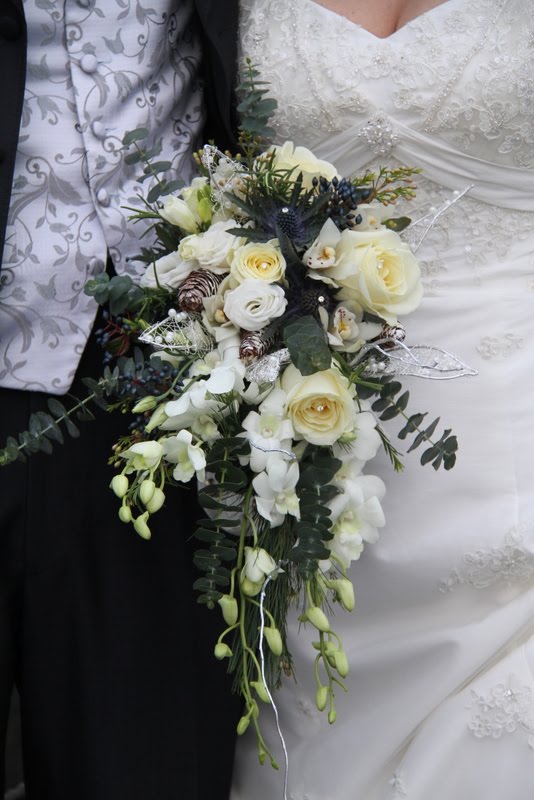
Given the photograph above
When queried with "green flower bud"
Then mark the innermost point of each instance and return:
(125, 514)
(242, 725)
(120, 485)
(262, 753)
(141, 527)
(260, 690)
(274, 640)
(345, 592)
(222, 651)
(158, 498)
(332, 716)
(158, 418)
(254, 711)
(229, 608)
(250, 588)
(146, 491)
(321, 697)
(317, 617)
(145, 404)
(341, 663)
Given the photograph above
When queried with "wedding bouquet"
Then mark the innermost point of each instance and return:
(257, 354)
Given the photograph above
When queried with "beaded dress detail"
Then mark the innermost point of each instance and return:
(445, 600)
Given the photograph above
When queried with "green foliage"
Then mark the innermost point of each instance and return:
(307, 344)
(255, 109)
(118, 292)
(388, 406)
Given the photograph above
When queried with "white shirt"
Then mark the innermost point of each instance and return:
(96, 69)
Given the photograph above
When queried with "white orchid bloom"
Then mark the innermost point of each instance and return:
(268, 435)
(356, 514)
(189, 458)
(364, 441)
(322, 253)
(142, 456)
(201, 397)
(275, 491)
(258, 565)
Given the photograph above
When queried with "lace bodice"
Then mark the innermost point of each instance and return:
(452, 91)
(463, 70)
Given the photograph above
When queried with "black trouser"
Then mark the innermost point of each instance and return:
(121, 697)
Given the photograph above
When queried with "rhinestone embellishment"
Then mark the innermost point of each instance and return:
(379, 134)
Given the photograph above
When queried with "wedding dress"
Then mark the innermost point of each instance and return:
(440, 701)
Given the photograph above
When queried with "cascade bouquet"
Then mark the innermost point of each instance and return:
(257, 356)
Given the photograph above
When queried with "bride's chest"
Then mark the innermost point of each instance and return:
(464, 71)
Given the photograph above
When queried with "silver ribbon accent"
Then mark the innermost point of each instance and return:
(271, 575)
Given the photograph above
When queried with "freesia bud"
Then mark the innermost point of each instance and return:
(125, 515)
(242, 725)
(146, 491)
(120, 485)
(261, 691)
(158, 498)
(332, 716)
(317, 617)
(222, 651)
(141, 527)
(229, 608)
(321, 697)
(145, 404)
(274, 640)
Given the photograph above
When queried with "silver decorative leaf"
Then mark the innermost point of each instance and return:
(267, 368)
(179, 333)
(420, 361)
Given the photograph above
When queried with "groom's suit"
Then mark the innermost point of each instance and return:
(121, 696)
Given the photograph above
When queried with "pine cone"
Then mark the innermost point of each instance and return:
(395, 332)
(254, 345)
(199, 284)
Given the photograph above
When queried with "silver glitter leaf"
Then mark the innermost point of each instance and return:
(267, 368)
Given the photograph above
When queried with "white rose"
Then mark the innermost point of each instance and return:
(254, 303)
(300, 159)
(320, 406)
(261, 260)
(379, 271)
(167, 271)
(213, 249)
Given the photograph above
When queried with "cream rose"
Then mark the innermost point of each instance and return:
(320, 406)
(260, 260)
(212, 249)
(378, 270)
(253, 304)
(300, 159)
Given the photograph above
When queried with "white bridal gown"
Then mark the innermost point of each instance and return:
(440, 702)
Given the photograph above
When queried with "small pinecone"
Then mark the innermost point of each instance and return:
(254, 345)
(395, 332)
(199, 284)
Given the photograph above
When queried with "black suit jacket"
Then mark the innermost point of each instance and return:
(218, 28)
